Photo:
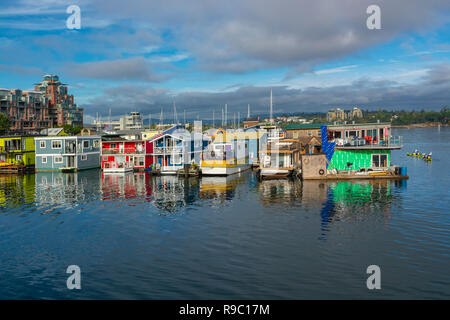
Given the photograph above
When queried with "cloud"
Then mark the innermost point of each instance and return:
(432, 92)
(135, 68)
(336, 70)
(243, 36)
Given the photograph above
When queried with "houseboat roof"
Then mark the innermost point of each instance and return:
(304, 126)
(347, 126)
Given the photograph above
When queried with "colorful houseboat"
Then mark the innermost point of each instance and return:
(177, 146)
(16, 154)
(362, 147)
(227, 154)
(120, 155)
(67, 153)
(279, 158)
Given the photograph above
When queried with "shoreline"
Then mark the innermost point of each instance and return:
(420, 125)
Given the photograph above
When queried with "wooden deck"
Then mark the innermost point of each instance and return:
(356, 177)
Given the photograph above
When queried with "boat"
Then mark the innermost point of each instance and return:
(121, 167)
(224, 158)
(279, 158)
(68, 169)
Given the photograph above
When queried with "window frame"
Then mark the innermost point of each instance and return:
(42, 142)
(55, 141)
(58, 157)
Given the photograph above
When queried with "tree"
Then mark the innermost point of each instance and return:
(5, 124)
(73, 131)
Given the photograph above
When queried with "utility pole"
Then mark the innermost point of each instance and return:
(214, 120)
(248, 111)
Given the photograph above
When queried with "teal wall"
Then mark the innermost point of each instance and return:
(359, 158)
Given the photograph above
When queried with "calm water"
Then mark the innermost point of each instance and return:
(135, 236)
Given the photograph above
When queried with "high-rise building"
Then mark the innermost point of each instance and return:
(340, 115)
(49, 105)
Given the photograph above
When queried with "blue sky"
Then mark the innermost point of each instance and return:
(143, 55)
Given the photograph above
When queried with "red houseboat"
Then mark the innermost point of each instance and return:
(121, 155)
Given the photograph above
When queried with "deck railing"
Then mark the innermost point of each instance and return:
(358, 143)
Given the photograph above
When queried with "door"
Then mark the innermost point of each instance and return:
(71, 161)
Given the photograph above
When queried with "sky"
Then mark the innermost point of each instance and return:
(201, 54)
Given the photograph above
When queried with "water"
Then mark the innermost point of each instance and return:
(140, 237)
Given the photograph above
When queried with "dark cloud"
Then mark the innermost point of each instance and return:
(240, 36)
(432, 92)
(136, 68)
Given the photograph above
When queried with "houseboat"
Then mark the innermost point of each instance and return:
(17, 154)
(354, 151)
(67, 153)
(175, 147)
(227, 154)
(120, 155)
(279, 158)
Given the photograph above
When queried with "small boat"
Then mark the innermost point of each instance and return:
(68, 169)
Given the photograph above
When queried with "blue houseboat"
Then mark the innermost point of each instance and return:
(67, 153)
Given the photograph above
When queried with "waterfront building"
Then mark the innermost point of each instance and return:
(121, 155)
(361, 146)
(16, 153)
(310, 145)
(298, 130)
(256, 138)
(49, 105)
(67, 153)
(177, 146)
(133, 121)
(341, 115)
(227, 154)
(279, 158)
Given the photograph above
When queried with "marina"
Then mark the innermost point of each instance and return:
(171, 237)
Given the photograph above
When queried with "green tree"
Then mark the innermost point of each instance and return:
(5, 124)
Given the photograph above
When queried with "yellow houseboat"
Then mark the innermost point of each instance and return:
(228, 154)
(17, 154)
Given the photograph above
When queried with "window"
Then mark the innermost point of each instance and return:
(58, 159)
(113, 146)
(56, 144)
(379, 160)
(44, 159)
(105, 158)
(18, 157)
(86, 144)
(176, 159)
(96, 143)
(141, 161)
(42, 144)
(84, 157)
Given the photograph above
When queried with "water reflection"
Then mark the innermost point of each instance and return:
(221, 188)
(16, 190)
(65, 188)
